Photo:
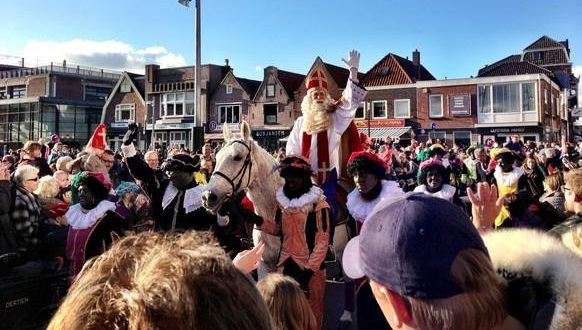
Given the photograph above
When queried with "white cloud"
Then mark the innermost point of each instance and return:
(577, 70)
(258, 68)
(108, 54)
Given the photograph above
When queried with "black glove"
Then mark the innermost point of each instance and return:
(252, 217)
(302, 276)
(131, 134)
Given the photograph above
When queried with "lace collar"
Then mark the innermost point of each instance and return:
(305, 202)
(447, 192)
(359, 208)
(508, 179)
(78, 219)
(192, 200)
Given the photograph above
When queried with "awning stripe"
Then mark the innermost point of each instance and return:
(383, 132)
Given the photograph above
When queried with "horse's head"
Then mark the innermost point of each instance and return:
(233, 170)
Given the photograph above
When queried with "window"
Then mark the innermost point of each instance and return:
(177, 104)
(270, 111)
(378, 109)
(538, 56)
(270, 90)
(360, 111)
(3, 93)
(402, 108)
(506, 98)
(229, 114)
(19, 92)
(228, 88)
(528, 97)
(178, 139)
(462, 139)
(96, 93)
(161, 137)
(436, 106)
(545, 96)
(125, 112)
(437, 135)
(125, 86)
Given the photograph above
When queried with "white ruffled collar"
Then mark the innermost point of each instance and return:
(306, 201)
(359, 208)
(192, 200)
(508, 179)
(78, 220)
(447, 192)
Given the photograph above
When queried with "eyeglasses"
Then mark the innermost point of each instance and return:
(33, 179)
(564, 189)
(4, 161)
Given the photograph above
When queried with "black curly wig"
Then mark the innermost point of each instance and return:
(99, 191)
(365, 165)
(442, 170)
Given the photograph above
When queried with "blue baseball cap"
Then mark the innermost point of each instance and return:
(409, 245)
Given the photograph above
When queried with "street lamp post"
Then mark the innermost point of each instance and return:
(197, 68)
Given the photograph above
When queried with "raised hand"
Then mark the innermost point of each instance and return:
(131, 134)
(353, 60)
(485, 205)
(248, 260)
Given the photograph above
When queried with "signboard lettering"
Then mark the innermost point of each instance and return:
(389, 122)
(278, 133)
(460, 105)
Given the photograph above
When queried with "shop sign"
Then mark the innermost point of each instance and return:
(275, 133)
(389, 122)
(460, 105)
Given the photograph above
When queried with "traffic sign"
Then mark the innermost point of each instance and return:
(212, 125)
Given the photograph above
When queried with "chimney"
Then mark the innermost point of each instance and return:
(226, 62)
(416, 57)
(416, 62)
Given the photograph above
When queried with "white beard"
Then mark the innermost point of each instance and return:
(315, 116)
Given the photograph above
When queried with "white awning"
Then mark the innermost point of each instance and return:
(384, 132)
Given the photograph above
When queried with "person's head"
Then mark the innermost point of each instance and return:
(127, 191)
(428, 267)
(296, 171)
(48, 187)
(573, 190)
(162, 281)
(553, 182)
(62, 178)
(316, 103)
(433, 174)
(515, 138)
(367, 170)
(26, 176)
(504, 157)
(530, 162)
(8, 161)
(108, 158)
(57, 147)
(437, 151)
(281, 153)
(92, 189)
(480, 154)
(287, 303)
(62, 163)
(151, 157)
(207, 149)
(32, 149)
(180, 169)
(207, 165)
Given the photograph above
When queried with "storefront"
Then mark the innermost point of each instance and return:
(503, 134)
(271, 139)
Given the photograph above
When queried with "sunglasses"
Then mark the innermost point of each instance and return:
(564, 189)
(33, 179)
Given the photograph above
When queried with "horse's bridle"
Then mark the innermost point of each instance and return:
(248, 164)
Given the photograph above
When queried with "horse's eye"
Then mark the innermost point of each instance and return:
(237, 158)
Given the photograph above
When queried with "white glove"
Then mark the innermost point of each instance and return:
(353, 60)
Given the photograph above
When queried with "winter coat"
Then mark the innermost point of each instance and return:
(555, 199)
(534, 264)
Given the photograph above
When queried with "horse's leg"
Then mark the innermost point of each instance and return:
(268, 263)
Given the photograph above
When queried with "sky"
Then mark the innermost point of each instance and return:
(455, 37)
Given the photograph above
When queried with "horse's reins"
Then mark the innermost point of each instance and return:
(247, 164)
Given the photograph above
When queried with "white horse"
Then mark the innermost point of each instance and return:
(243, 165)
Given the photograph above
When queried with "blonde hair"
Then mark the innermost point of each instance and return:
(162, 281)
(62, 162)
(482, 304)
(287, 303)
(574, 179)
(554, 181)
(48, 187)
